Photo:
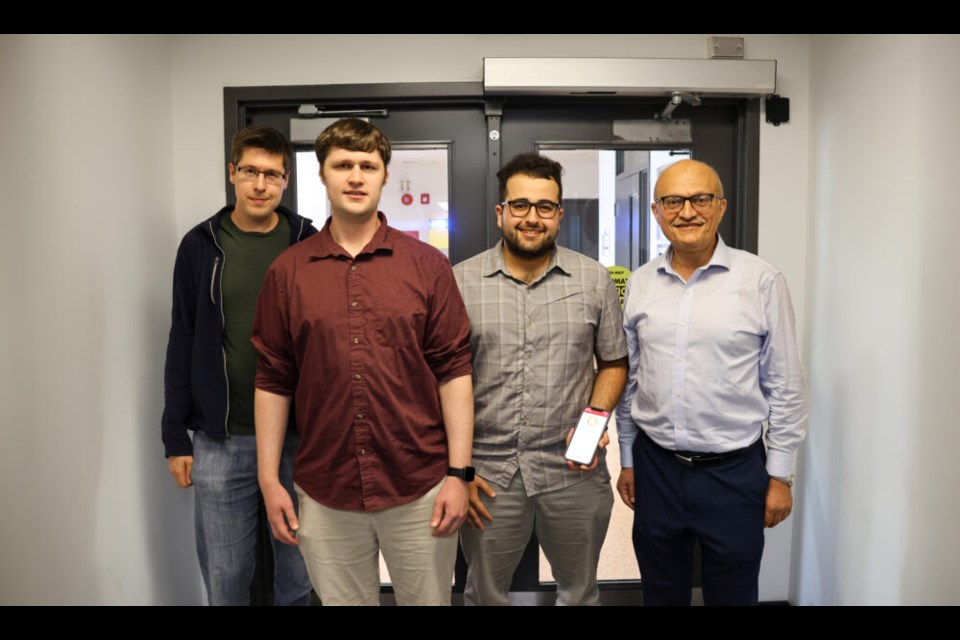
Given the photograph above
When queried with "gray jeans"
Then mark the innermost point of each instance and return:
(571, 524)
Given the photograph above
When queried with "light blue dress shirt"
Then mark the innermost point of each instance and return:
(712, 358)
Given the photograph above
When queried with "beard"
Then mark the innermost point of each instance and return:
(514, 243)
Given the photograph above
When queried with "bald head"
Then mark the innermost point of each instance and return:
(686, 171)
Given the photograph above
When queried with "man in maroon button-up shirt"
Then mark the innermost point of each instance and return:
(365, 327)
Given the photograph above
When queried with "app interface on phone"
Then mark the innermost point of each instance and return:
(587, 435)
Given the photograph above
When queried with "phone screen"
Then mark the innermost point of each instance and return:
(586, 437)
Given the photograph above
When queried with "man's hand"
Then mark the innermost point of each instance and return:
(626, 487)
(280, 513)
(604, 441)
(779, 503)
(450, 507)
(476, 509)
(181, 468)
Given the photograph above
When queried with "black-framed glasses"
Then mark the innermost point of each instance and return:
(546, 209)
(250, 174)
(699, 201)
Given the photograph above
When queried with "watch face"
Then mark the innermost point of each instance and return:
(467, 473)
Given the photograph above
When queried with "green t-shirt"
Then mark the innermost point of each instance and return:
(247, 256)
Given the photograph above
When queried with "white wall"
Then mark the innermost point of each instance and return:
(88, 237)
(932, 561)
(784, 212)
(879, 510)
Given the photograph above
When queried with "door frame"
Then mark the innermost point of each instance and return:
(240, 102)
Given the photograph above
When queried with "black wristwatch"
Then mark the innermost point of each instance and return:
(466, 473)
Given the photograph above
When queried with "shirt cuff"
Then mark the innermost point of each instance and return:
(780, 463)
(626, 436)
(465, 369)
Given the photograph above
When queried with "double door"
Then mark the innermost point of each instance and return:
(450, 140)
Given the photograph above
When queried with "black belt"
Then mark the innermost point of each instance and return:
(701, 459)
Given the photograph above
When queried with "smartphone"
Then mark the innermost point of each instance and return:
(586, 437)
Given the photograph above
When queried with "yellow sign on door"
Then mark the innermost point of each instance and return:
(620, 276)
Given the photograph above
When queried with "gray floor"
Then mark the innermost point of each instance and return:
(608, 597)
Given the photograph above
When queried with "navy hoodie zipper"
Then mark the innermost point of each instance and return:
(223, 320)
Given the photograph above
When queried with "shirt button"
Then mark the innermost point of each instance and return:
(359, 416)
(679, 359)
(353, 304)
(679, 427)
(363, 452)
(353, 267)
(356, 341)
(676, 395)
(356, 376)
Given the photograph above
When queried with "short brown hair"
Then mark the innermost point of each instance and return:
(260, 136)
(533, 165)
(352, 134)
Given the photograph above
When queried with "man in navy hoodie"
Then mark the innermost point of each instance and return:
(211, 365)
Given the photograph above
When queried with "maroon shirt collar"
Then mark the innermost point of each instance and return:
(326, 246)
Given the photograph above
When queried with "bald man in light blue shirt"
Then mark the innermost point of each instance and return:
(713, 355)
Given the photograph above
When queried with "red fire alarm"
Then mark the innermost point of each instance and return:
(406, 199)
(424, 198)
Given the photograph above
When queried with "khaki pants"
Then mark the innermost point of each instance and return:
(340, 550)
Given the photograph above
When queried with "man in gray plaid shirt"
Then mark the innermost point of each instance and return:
(539, 314)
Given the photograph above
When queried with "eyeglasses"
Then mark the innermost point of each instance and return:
(520, 208)
(251, 174)
(701, 202)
